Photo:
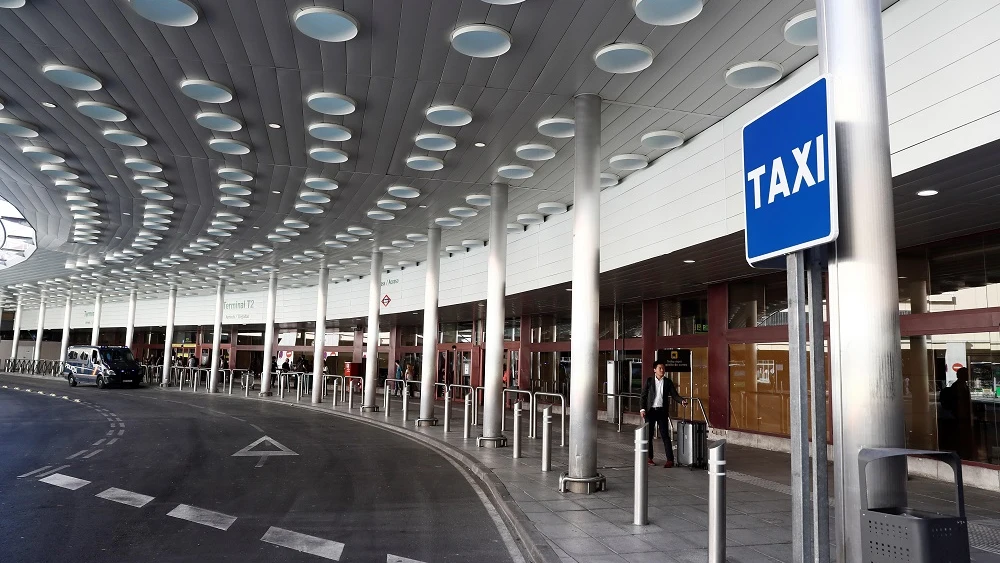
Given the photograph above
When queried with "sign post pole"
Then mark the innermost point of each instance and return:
(799, 409)
(816, 261)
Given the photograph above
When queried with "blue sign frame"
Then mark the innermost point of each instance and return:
(790, 175)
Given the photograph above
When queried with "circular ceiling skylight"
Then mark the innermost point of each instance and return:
(628, 161)
(17, 128)
(448, 116)
(143, 165)
(623, 58)
(229, 146)
(663, 140)
(425, 163)
(463, 212)
(359, 231)
(156, 195)
(435, 142)
(479, 200)
(328, 155)
(72, 77)
(667, 12)
(380, 215)
(801, 30)
(552, 208)
(58, 172)
(754, 74)
(480, 40)
(235, 174)
(331, 104)
(321, 183)
(391, 204)
(447, 222)
(206, 91)
(234, 201)
(125, 138)
(557, 127)
(535, 151)
(149, 181)
(515, 172)
(43, 154)
(314, 197)
(530, 218)
(326, 24)
(306, 207)
(405, 192)
(608, 179)
(101, 111)
(218, 121)
(175, 13)
(329, 132)
(234, 189)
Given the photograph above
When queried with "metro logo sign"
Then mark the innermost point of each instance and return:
(789, 167)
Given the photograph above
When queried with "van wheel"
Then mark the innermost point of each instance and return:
(100, 382)
(72, 381)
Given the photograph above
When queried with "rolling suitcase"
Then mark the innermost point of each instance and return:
(692, 443)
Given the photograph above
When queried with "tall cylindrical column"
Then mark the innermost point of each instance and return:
(67, 314)
(583, 476)
(428, 368)
(37, 354)
(220, 299)
(320, 336)
(272, 298)
(865, 359)
(96, 331)
(374, 302)
(168, 341)
(133, 297)
(17, 328)
(496, 288)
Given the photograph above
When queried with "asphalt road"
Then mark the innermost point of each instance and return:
(352, 491)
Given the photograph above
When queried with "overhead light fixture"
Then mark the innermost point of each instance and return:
(326, 24)
(424, 163)
(101, 111)
(754, 74)
(448, 116)
(274, 125)
(689, 261)
(927, 193)
(435, 142)
(48, 104)
(72, 77)
(331, 104)
(557, 127)
(667, 12)
(628, 161)
(479, 144)
(802, 29)
(275, 192)
(175, 13)
(113, 176)
(535, 151)
(663, 140)
(206, 91)
(623, 58)
(515, 172)
(481, 40)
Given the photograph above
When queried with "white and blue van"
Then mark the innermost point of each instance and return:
(102, 365)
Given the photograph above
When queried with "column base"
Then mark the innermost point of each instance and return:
(265, 394)
(372, 408)
(582, 485)
(491, 442)
(427, 422)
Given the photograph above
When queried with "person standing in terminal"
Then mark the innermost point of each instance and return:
(656, 394)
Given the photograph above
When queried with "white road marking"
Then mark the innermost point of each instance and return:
(111, 441)
(79, 453)
(312, 545)
(110, 432)
(204, 517)
(120, 433)
(65, 481)
(99, 442)
(112, 424)
(50, 471)
(92, 454)
(397, 559)
(259, 429)
(125, 497)
(121, 424)
(40, 469)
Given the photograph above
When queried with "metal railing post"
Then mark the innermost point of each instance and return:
(334, 400)
(640, 512)
(281, 386)
(447, 410)
(547, 438)
(717, 502)
(517, 431)
(475, 406)
(385, 399)
(406, 402)
(466, 429)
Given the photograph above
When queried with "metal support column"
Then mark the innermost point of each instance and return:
(67, 314)
(272, 301)
(802, 529)
(496, 287)
(374, 303)
(133, 297)
(168, 340)
(96, 331)
(220, 299)
(322, 288)
(815, 264)
(865, 362)
(17, 328)
(428, 369)
(37, 354)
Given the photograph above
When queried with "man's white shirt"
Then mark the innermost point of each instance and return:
(658, 400)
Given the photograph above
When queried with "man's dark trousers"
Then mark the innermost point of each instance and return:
(659, 416)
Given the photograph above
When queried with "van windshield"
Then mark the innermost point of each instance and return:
(116, 356)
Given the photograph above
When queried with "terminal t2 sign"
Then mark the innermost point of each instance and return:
(790, 175)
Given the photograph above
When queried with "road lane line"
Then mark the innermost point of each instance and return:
(110, 432)
(125, 497)
(312, 545)
(81, 452)
(120, 433)
(204, 517)
(111, 441)
(99, 442)
(51, 471)
(397, 559)
(92, 454)
(65, 481)
(40, 469)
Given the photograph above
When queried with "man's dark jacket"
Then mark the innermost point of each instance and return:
(649, 393)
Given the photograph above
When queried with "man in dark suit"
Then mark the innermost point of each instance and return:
(656, 395)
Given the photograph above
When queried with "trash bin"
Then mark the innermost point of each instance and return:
(902, 534)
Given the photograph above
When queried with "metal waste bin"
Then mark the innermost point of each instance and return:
(901, 534)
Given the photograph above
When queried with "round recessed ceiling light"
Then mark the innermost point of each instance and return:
(391, 204)
(218, 233)
(448, 116)
(530, 218)
(417, 237)
(753, 74)
(380, 215)
(159, 227)
(628, 161)
(43, 154)
(149, 181)
(314, 197)
(402, 243)
(328, 155)
(557, 127)
(305, 207)
(218, 121)
(278, 238)
(49, 105)
(405, 192)
(158, 209)
(623, 58)
(330, 132)
(331, 104)
(229, 146)
(435, 142)
(424, 163)
(535, 151)
(479, 200)
(472, 243)
(479, 144)
(234, 189)
(608, 179)
(552, 208)
(454, 248)
(143, 165)
(231, 217)
(463, 212)
(235, 174)
(17, 128)
(101, 111)
(802, 29)
(58, 172)
(663, 140)
(667, 12)
(206, 91)
(515, 172)
(927, 193)
(156, 195)
(344, 237)
(359, 231)
(125, 138)
(234, 201)
(334, 244)
(72, 77)
(285, 231)
(11, 3)
(447, 222)
(175, 13)
(515, 228)
(321, 183)
(72, 187)
(481, 40)
(326, 24)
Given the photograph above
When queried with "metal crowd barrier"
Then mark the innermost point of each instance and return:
(562, 417)
(475, 403)
(531, 407)
(335, 378)
(350, 392)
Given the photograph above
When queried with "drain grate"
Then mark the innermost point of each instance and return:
(985, 535)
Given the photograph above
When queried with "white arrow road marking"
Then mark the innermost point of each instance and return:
(312, 545)
(65, 481)
(125, 497)
(397, 559)
(204, 517)
(281, 450)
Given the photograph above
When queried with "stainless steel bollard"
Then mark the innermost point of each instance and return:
(466, 430)
(717, 502)
(475, 407)
(298, 388)
(406, 403)
(195, 377)
(230, 383)
(447, 410)
(385, 401)
(547, 439)
(334, 392)
(281, 387)
(249, 384)
(517, 430)
(350, 395)
(640, 512)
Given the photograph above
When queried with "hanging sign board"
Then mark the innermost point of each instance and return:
(675, 360)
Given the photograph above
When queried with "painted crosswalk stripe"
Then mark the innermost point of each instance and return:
(110, 432)
(121, 432)
(125, 497)
(312, 545)
(39, 470)
(92, 454)
(65, 481)
(51, 471)
(112, 441)
(77, 454)
(397, 559)
(99, 442)
(201, 516)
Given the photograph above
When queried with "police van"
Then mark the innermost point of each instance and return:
(102, 365)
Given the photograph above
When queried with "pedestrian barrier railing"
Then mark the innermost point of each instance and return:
(466, 426)
(49, 368)
(562, 409)
(338, 380)
(386, 394)
(447, 406)
(454, 386)
(531, 409)
(350, 388)
(618, 398)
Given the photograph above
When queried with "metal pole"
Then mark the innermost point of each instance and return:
(447, 410)
(213, 374)
(385, 399)
(272, 300)
(547, 439)
(168, 340)
(298, 386)
(350, 395)
(281, 386)
(335, 384)
(717, 503)
(466, 429)
(133, 300)
(817, 372)
(428, 369)
(96, 331)
(17, 328)
(230, 380)
(640, 501)
(406, 403)
(249, 383)
(37, 354)
(517, 431)
(374, 302)
(496, 287)
(802, 548)
(585, 300)
(67, 314)
(319, 339)
(865, 362)
(475, 406)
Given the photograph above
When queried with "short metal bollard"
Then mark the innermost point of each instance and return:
(466, 430)
(230, 383)
(298, 388)
(281, 386)
(350, 395)
(334, 402)
(249, 384)
(547, 439)
(640, 511)
(195, 377)
(447, 410)
(517, 430)
(406, 403)
(385, 402)
(717, 502)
